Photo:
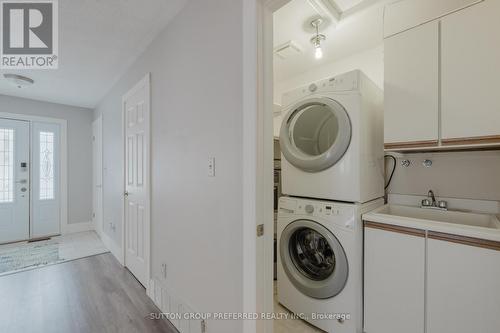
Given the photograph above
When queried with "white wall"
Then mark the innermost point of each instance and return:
(463, 175)
(79, 149)
(196, 84)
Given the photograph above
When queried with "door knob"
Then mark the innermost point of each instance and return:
(23, 189)
(126, 193)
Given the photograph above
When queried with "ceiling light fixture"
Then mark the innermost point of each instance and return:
(318, 38)
(18, 80)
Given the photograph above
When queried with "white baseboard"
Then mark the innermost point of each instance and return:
(112, 246)
(77, 227)
(168, 302)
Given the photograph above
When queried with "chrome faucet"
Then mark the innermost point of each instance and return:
(430, 194)
(431, 203)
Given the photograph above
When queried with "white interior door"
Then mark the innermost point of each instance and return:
(46, 194)
(14, 180)
(97, 174)
(136, 106)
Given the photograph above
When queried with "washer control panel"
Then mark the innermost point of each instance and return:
(338, 213)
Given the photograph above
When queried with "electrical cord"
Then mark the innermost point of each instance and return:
(392, 172)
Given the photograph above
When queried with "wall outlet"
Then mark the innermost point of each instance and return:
(164, 271)
(211, 167)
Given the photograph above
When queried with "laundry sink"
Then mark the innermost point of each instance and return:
(440, 216)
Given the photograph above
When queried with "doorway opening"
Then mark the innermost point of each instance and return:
(313, 137)
(97, 189)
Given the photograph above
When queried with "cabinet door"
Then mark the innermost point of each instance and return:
(471, 74)
(404, 15)
(412, 87)
(394, 280)
(463, 288)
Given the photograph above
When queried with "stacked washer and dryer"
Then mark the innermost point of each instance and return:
(332, 172)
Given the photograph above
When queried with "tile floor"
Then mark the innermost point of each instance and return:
(71, 247)
(79, 245)
(290, 325)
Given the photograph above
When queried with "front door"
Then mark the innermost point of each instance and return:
(14, 180)
(136, 107)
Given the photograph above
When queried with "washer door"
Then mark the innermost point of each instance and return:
(313, 259)
(315, 134)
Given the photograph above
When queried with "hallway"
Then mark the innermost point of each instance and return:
(93, 294)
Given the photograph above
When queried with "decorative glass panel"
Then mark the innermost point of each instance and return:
(46, 165)
(6, 165)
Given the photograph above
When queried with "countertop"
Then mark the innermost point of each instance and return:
(379, 216)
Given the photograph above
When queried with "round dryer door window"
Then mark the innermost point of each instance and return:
(313, 259)
(315, 134)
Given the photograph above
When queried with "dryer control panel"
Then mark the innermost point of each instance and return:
(346, 82)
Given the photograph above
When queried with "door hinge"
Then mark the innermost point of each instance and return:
(260, 230)
(203, 326)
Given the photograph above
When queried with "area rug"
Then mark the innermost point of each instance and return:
(29, 255)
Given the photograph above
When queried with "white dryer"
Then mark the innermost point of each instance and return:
(331, 140)
(320, 247)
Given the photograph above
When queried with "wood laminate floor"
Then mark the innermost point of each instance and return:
(89, 295)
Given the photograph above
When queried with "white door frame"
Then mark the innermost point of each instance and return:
(258, 160)
(145, 81)
(97, 217)
(64, 228)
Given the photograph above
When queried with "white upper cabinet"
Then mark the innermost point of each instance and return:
(411, 87)
(403, 15)
(442, 76)
(470, 70)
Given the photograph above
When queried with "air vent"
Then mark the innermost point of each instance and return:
(287, 50)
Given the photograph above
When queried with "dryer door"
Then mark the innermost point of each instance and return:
(315, 134)
(313, 259)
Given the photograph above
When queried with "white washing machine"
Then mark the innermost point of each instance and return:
(332, 140)
(320, 276)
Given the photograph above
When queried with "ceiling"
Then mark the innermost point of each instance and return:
(98, 41)
(360, 27)
(345, 5)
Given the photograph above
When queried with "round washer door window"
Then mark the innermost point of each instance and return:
(313, 259)
(315, 134)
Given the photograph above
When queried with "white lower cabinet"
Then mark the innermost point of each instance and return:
(463, 288)
(420, 281)
(394, 281)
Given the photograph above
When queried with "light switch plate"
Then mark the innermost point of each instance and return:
(211, 167)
